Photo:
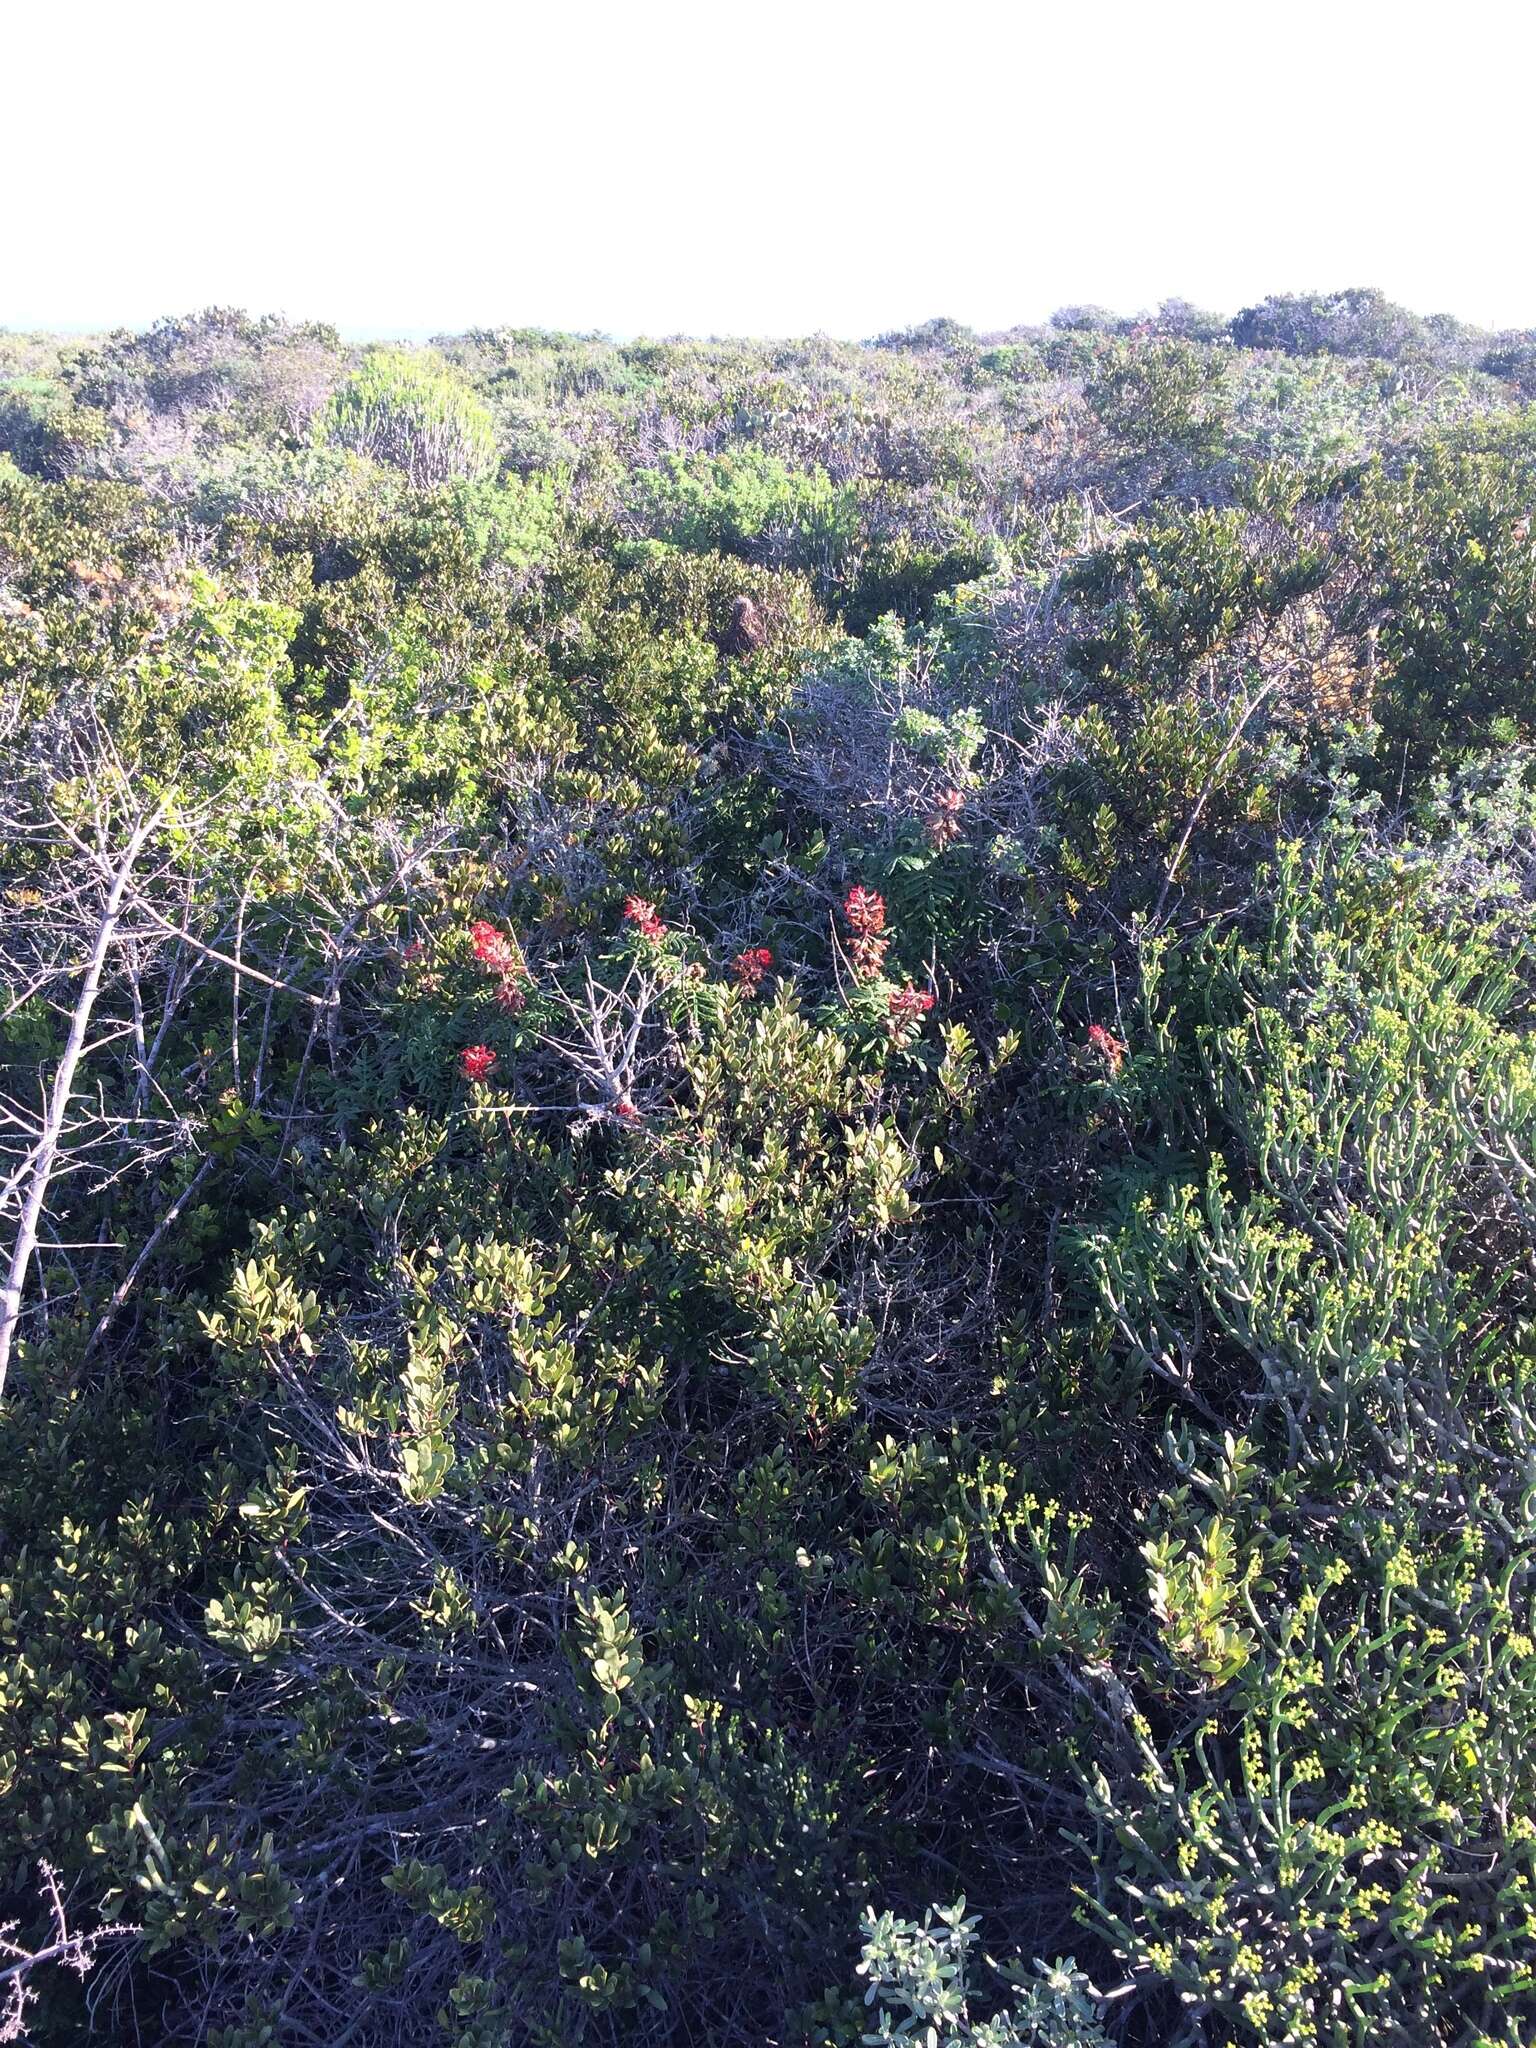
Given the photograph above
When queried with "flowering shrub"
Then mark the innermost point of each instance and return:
(751, 966)
(554, 1568)
(907, 1007)
(864, 912)
(643, 916)
(1106, 1047)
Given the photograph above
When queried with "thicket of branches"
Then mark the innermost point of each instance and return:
(664, 1306)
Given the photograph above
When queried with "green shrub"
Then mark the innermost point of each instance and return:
(1515, 362)
(920, 1978)
(678, 1290)
(749, 503)
(411, 412)
(1163, 396)
(44, 431)
(1314, 1803)
(1450, 573)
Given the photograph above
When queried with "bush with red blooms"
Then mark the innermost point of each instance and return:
(491, 947)
(864, 911)
(905, 1010)
(498, 955)
(476, 1061)
(643, 917)
(750, 967)
(1107, 1047)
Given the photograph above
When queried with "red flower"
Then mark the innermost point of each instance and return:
(865, 912)
(476, 1061)
(643, 915)
(750, 967)
(499, 956)
(413, 953)
(908, 1007)
(626, 1109)
(492, 948)
(1107, 1046)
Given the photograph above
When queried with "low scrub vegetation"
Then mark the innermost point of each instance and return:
(768, 1126)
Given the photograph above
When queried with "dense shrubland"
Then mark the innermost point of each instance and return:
(667, 1311)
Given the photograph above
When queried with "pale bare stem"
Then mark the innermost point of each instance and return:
(133, 970)
(234, 986)
(258, 1070)
(607, 1029)
(64, 1949)
(151, 1244)
(239, 967)
(41, 1165)
(1209, 785)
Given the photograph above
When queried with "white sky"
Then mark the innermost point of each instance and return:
(670, 166)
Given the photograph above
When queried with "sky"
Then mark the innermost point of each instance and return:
(811, 165)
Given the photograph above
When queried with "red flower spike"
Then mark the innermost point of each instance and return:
(750, 967)
(865, 912)
(492, 948)
(476, 1061)
(1109, 1048)
(909, 1005)
(643, 916)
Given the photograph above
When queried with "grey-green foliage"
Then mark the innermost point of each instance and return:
(952, 743)
(921, 1980)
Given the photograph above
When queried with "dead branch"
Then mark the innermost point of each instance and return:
(40, 1164)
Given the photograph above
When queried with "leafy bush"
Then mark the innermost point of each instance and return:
(1515, 362)
(749, 503)
(44, 432)
(1447, 557)
(926, 1970)
(1162, 395)
(410, 412)
(1347, 323)
(653, 1292)
(1341, 1679)
(947, 335)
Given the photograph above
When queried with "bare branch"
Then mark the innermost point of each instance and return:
(41, 1167)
